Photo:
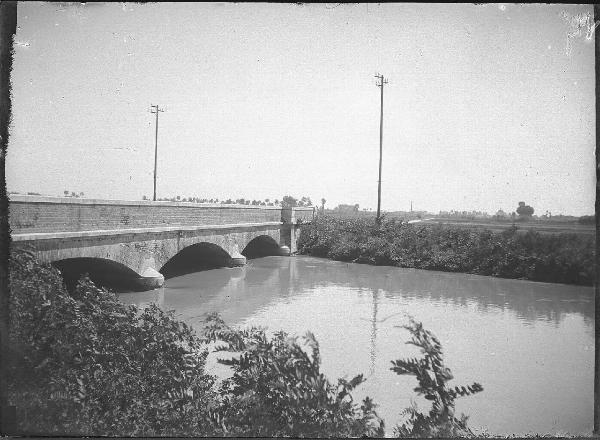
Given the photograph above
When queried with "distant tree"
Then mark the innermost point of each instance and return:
(66, 193)
(144, 198)
(524, 210)
(305, 201)
(323, 204)
(247, 202)
(289, 202)
(73, 194)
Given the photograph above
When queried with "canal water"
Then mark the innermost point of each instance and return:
(531, 345)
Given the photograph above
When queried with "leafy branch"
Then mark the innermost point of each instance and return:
(432, 376)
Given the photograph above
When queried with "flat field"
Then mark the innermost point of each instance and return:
(541, 227)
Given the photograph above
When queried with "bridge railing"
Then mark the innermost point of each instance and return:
(33, 214)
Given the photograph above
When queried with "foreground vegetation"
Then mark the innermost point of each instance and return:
(83, 363)
(558, 258)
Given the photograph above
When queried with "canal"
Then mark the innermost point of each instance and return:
(531, 345)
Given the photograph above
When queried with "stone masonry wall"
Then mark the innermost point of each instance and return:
(31, 214)
(49, 214)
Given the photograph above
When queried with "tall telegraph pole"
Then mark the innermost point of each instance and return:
(155, 109)
(381, 82)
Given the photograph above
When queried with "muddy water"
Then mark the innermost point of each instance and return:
(531, 345)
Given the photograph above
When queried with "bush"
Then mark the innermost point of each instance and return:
(560, 258)
(277, 389)
(87, 364)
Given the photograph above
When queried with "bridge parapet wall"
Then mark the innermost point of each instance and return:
(33, 214)
(297, 215)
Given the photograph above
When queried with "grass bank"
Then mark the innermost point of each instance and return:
(558, 258)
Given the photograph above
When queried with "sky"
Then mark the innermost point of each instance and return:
(486, 105)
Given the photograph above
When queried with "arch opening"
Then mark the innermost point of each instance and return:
(195, 258)
(104, 273)
(261, 246)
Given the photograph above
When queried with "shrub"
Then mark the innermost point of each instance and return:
(277, 389)
(87, 364)
(561, 258)
(432, 375)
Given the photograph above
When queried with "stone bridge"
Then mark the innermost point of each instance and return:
(139, 242)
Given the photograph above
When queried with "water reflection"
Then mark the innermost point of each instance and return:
(531, 301)
(530, 344)
(374, 332)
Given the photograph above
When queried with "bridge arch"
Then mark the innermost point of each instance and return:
(102, 271)
(195, 257)
(261, 246)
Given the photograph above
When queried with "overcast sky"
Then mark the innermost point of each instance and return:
(485, 106)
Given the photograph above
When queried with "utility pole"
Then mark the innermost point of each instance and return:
(381, 82)
(155, 109)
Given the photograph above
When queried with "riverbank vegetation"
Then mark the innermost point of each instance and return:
(83, 363)
(558, 258)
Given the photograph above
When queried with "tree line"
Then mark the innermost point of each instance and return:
(285, 202)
